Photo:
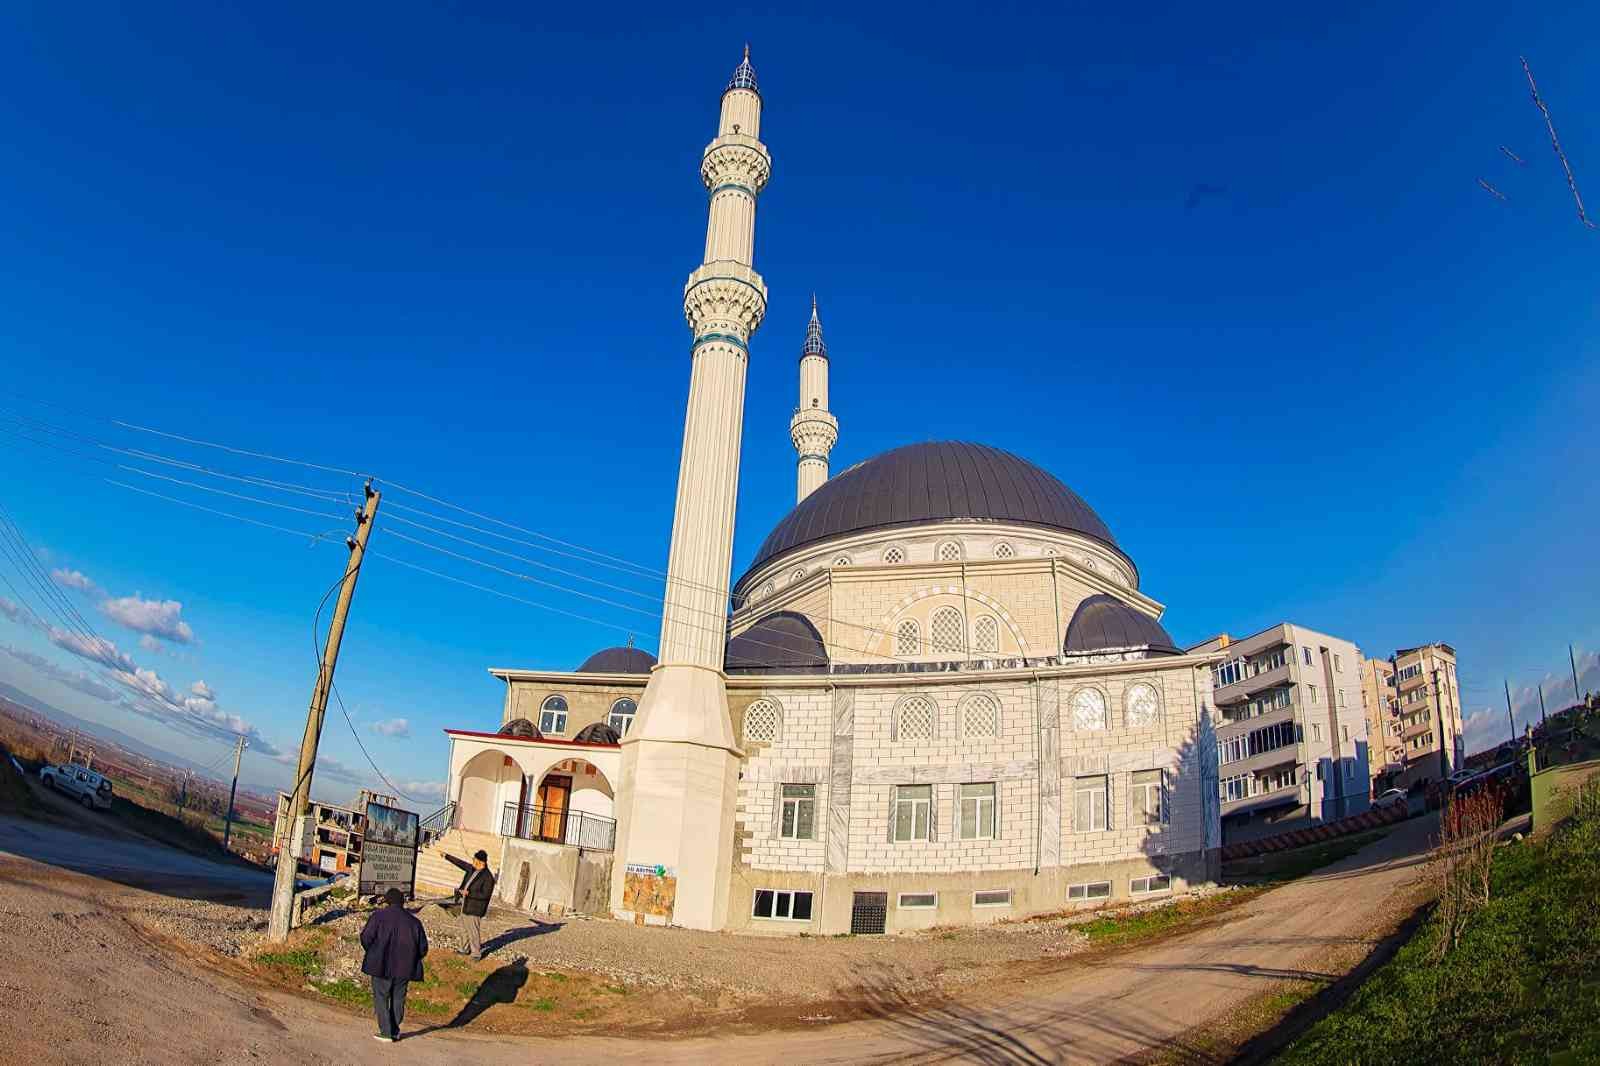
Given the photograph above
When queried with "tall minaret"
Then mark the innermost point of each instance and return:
(680, 768)
(813, 427)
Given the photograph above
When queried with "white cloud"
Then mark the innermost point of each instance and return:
(78, 681)
(11, 609)
(150, 644)
(1489, 726)
(156, 618)
(203, 690)
(73, 579)
(423, 790)
(391, 727)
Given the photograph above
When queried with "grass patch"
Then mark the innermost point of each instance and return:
(427, 1006)
(1522, 985)
(351, 993)
(545, 1003)
(303, 961)
(1142, 925)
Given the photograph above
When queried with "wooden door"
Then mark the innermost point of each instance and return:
(554, 791)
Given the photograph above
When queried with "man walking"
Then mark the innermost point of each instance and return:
(474, 892)
(395, 943)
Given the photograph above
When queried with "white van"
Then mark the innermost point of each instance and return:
(89, 788)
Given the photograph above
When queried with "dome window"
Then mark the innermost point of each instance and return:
(1004, 551)
(1141, 706)
(1088, 709)
(766, 591)
(907, 638)
(798, 575)
(894, 554)
(949, 552)
(980, 716)
(622, 714)
(553, 715)
(843, 560)
(944, 630)
(763, 721)
(986, 634)
(915, 718)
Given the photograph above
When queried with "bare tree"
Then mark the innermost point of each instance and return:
(1462, 863)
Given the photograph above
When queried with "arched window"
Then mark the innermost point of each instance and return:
(799, 573)
(1004, 551)
(843, 560)
(1141, 706)
(622, 713)
(894, 554)
(1088, 709)
(766, 590)
(915, 717)
(763, 721)
(907, 638)
(949, 552)
(1088, 561)
(944, 630)
(986, 634)
(553, 715)
(980, 716)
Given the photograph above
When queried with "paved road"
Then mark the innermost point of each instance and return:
(91, 989)
(125, 857)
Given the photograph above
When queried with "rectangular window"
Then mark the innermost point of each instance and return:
(1316, 732)
(782, 905)
(1337, 665)
(913, 811)
(1090, 890)
(1155, 883)
(1311, 693)
(798, 819)
(1000, 897)
(1149, 797)
(977, 812)
(1342, 701)
(1344, 733)
(1089, 805)
(553, 722)
(1307, 652)
(1234, 788)
(917, 901)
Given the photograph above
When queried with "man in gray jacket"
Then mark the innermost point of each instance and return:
(474, 892)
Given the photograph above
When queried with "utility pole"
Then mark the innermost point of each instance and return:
(1438, 703)
(1509, 716)
(1542, 719)
(227, 824)
(1577, 696)
(300, 799)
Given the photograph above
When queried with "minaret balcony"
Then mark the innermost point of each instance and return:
(724, 291)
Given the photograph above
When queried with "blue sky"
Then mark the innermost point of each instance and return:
(1228, 273)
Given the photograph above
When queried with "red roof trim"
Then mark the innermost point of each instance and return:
(529, 740)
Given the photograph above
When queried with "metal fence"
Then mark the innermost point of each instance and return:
(559, 825)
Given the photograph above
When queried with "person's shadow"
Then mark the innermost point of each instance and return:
(501, 986)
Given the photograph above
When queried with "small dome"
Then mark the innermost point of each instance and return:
(781, 643)
(618, 660)
(744, 75)
(597, 733)
(1104, 624)
(522, 728)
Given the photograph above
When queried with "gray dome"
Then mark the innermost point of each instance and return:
(618, 660)
(1104, 624)
(521, 727)
(935, 481)
(781, 643)
(598, 733)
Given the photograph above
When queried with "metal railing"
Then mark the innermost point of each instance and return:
(436, 824)
(559, 825)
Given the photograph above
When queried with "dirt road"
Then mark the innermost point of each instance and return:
(80, 983)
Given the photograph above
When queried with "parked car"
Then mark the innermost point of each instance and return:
(1395, 797)
(1461, 776)
(91, 789)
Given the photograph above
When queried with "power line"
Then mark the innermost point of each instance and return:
(197, 442)
(314, 537)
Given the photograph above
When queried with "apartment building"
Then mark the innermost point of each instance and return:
(1427, 702)
(1386, 749)
(1291, 735)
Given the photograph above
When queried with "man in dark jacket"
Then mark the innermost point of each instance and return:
(474, 892)
(395, 943)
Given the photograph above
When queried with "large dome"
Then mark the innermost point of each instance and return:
(933, 482)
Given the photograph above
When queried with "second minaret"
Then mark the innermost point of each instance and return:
(813, 428)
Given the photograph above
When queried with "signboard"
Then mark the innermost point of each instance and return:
(388, 851)
(649, 889)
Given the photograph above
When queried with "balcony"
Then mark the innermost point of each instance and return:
(1246, 687)
(1263, 760)
(559, 825)
(1287, 796)
(1227, 730)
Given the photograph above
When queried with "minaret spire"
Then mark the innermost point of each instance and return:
(680, 765)
(813, 429)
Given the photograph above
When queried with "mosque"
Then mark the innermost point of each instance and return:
(937, 694)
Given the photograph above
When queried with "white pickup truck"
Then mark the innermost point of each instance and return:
(91, 789)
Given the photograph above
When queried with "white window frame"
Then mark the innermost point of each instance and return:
(1097, 785)
(788, 894)
(1006, 547)
(1140, 813)
(1142, 886)
(900, 903)
(1127, 706)
(938, 552)
(627, 719)
(558, 719)
(789, 808)
(1083, 890)
(976, 902)
(916, 805)
(945, 647)
(933, 720)
(1105, 710)
(907, 637)
(894, 550)
(964, 709)
(978, 802)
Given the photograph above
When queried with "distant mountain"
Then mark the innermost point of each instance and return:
(15, 695)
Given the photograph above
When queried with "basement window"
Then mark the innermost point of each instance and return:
(1090, 890)
(999, 897)
(782, 905)
(917, 901)
(1141, 886)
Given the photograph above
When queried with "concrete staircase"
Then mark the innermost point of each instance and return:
(436, 876)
